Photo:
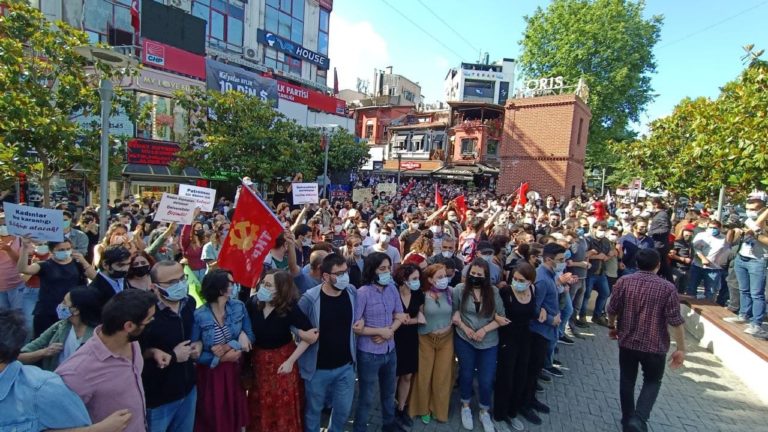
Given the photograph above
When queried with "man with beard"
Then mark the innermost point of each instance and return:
(554, 225)
(106, 371)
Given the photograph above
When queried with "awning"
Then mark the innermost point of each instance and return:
(136, 170)
(487, 169)
(466, 173)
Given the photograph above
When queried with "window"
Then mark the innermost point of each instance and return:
(108, 22)
(369, 131)
(417, 143)
(281, 62)
(286, 18)
(468, 146)
(578, 137)
(322, 77)
(167, 122)
(492, 148)
(322, 37)
(225, 23)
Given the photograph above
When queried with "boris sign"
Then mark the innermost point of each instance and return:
(286, 46)
(148, 152)
(38, 223)
(545, 84)
(304, 193)
(173, 59)
(175, 208)
(205, 197)
(310, 98)
(410, 165)
(223, 77)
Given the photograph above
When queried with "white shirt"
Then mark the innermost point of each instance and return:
(715, 248)
(71, 344)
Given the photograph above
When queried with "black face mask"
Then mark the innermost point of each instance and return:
(474, 281)
(118, 274)
(200, 233)
(139, 271)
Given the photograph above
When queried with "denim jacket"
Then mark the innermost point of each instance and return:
(235, 318)
(309, 303)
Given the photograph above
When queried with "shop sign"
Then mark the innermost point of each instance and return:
(223, 77)
(483, 74)
(284, 45)
(172, 59)
(545, 84)
(152, 81)
(310, 98)
(410, 165)
(147, 152)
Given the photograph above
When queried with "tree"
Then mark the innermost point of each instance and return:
(43, 82)
(344, 154)
(610, 45)
(705, 144)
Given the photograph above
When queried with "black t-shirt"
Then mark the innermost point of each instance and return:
(335, 324)
(683, 250)
(519, 315)
(602, 246)
(56, 280)
(408, 238)
(274, 331)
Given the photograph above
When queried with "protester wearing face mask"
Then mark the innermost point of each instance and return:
(380, 311)
(430, 396)
(599, 251)
(612, 265)
(630, 244)
(275, 398)
(61, 273)
(477, 313)
(192, 241)
(485, 252)
(514, 346)
(117, 234)
(79, 313)
(106, 370)
(382, 245)
(710, 253)
(138, 272)
(224, 328)
(681, 255)
(409, 236)
(78, 238)
(169, 371)
(328, 366)
(114, 267)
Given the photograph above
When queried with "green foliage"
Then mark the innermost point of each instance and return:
(344, 154)
(707, 143)
(608, 43)
(43, 82)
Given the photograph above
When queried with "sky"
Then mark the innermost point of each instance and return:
(700, 48)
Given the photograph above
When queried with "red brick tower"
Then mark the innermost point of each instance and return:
(544, 144)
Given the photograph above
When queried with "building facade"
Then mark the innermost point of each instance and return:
(481, 82)
(386, 83)
(544, 143)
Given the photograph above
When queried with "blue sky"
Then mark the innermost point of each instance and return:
(699, 51)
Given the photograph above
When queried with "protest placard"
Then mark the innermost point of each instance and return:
(304, 193)
(175, 208)
(361, 195)
(205, 197)
(39, 223)
(390, 189)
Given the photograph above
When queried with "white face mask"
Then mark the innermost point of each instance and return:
(612, 237)
(3, 230)
(384, 238)
(600, 234)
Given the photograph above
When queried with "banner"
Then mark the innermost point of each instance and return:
(390, 189)
(172, 59)
(361, 195)
(38, 223)
(223, 77)
(251, 236)
(174, 208)
(339, 192)
(204, 197)
(304, 193)
(310, 98)
(284, 45)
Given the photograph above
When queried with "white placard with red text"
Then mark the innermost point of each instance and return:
(175, 208)
(205, 197)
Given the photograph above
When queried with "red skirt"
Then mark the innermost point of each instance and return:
(276, 401)
(221, 402)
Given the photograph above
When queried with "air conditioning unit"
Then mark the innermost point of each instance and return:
(185, 5)
(250, 54)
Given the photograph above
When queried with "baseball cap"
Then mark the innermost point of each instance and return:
(756, 195)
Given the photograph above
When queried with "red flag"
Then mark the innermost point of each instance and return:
(408, 188)
(135, 21)
(438, 197)
(522, 198)
(251, 236)
(461, 205)
(335, 82)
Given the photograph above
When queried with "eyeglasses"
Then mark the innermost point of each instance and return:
(340, 273)
(174, 281)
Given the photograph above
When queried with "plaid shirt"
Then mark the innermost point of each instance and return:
(645, 304)
(377, 307)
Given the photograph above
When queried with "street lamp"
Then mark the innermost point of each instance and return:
(114, 59)
(327, 144)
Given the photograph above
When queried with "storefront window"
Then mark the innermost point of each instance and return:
(168, 121)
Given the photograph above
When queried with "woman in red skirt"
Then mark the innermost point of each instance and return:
(276, 398)
(223, 328)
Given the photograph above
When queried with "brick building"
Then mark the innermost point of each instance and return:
(544, 143)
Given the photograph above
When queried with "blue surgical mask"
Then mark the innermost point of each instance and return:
(414, 285)
(63, 312)
(342, 282)
(62, 255)
(519, 286)
(559, 267)
(384, 279)
(175, 292)
(66, 224)
(235, 291)
(580, 232)
(442, 283)
(264, 295)
(568, 254)
(714, 231)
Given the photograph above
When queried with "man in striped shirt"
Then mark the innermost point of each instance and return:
(646, 306)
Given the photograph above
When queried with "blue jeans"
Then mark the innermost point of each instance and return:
(549, 360)
(373, 368)
(603, 291)
(565, 314)
(471, 358)
(711, 278)
(341, 383)
(13, 298)
(176, 416)
(751, 277)
(28, 306)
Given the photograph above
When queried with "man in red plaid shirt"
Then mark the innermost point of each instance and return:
(646, 306)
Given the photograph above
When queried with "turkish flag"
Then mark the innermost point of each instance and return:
(251, 236)
(438, 197)
(135, 21)
(461, 205)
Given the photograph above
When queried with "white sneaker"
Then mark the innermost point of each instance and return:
(739, 319)
(516, 424)
(752, 329)
(485, 420)
(466, 418)
(500, 426)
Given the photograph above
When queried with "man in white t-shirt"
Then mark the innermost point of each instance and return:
(382, 245)
(710, 255)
